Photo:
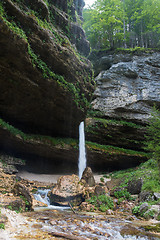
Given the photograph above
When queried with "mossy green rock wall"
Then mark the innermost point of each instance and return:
(46, 82)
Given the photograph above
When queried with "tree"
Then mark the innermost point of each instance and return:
(123, 23)
(104, 23)
(153, 135)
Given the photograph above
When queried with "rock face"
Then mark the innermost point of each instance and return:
(45, 83)
(128, 85)
(116, 133)
(88, 177)
(68, 189)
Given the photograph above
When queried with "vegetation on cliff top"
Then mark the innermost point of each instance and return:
(127, 24)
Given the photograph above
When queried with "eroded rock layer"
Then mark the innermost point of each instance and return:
(127, 85)
(45, 83)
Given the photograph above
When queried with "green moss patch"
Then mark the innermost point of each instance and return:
(115, 150)
(40, 138)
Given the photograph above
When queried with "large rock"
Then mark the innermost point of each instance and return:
(134, 186)
(88, 177)
(21, 190)
(67, 190)
(129, 87)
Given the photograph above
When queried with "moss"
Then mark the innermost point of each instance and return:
(115, 150)
(79, 99)
(153, 228)
(120, 122)
(45, 139)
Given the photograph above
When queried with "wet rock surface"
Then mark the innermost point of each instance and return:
(54, 224)
(118, 223)
(49, 104)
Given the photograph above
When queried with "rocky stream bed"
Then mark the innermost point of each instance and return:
(54, 224)
(76, 223)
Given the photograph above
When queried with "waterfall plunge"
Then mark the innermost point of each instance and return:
(82, 152)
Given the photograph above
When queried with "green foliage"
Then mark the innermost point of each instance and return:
(153, 135)
(127, 24)
(114, 150)
(2, 226)
(9, 207)
(101, 202)
(135, 210)
(45, 139)
(148, 171)
(122, 193)
(102, 179)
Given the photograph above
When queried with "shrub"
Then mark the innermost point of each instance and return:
(2, 226)
(122, 193)
(102, 202)
(153, 135)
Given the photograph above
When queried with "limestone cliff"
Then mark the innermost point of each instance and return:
(46, 83)
(127, 85)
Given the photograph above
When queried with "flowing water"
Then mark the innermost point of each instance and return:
(42, 196)
(85, 225)
(82, 152)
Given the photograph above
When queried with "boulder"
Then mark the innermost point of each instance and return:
(17, 205)
(143, 208)
(7, 181)
(21, 190)
(152, 213)
(146, 196)
(135, 186)
(67, 190)
(88, 177)
(157, 196)
(100, 190)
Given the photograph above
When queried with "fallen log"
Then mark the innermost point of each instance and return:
(71, 208)
(67, 236)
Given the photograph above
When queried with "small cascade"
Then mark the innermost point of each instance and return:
(42, 196)
(82, 151)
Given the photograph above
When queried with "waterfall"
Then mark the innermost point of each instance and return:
(82, 152)
(42, 196)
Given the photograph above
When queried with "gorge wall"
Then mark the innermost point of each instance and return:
(127, 87)
(47, 86)
(46, 83)
(46, 80)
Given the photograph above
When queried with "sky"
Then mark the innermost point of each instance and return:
(89, 2)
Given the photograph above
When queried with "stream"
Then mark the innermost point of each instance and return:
(58, 219)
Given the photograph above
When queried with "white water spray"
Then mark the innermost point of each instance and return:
(82, 152)
(42, 196)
